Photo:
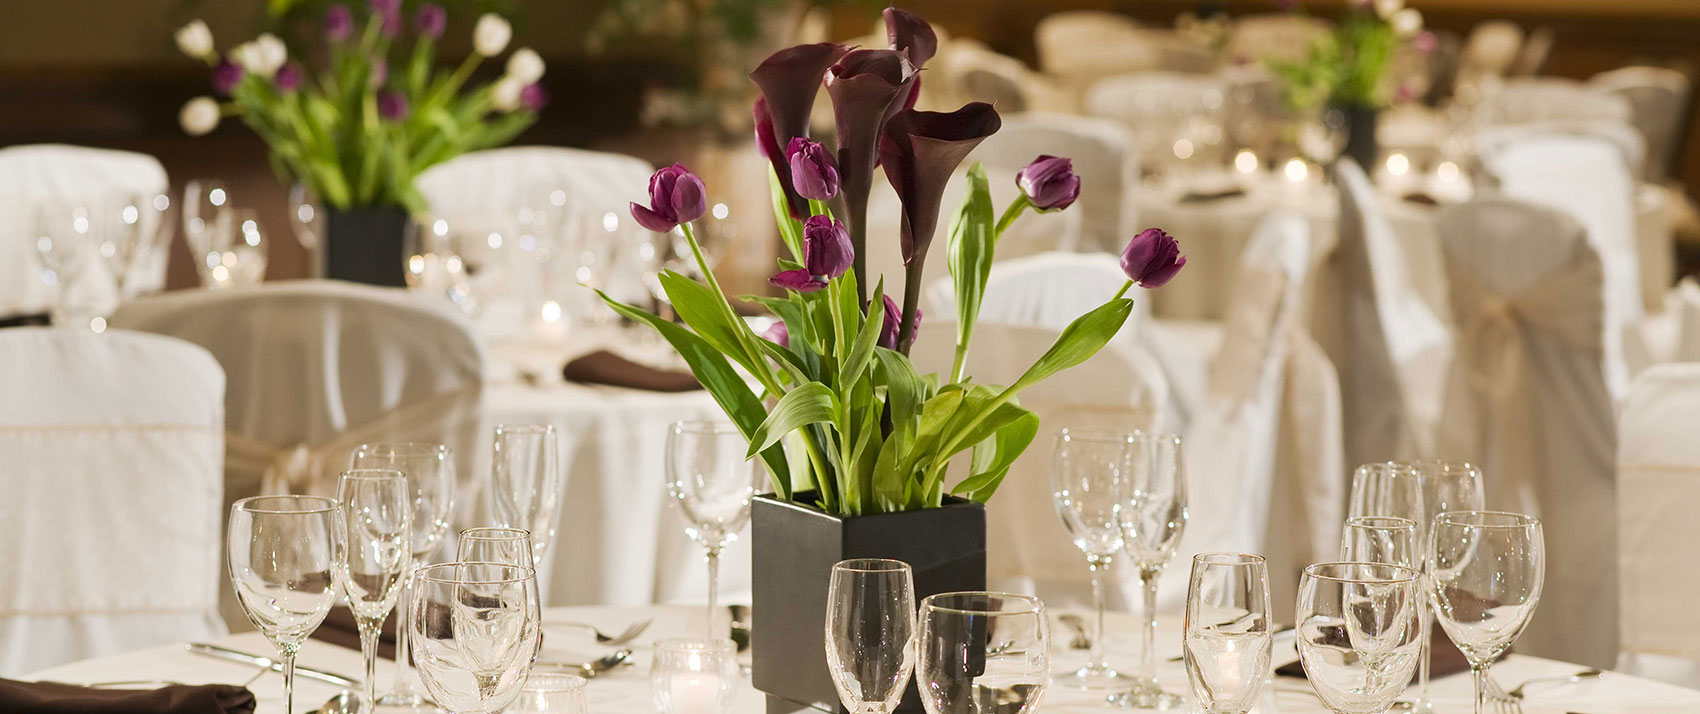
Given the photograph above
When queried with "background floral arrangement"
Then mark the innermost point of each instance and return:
(359, 129)
(1347, 67)
(868, 432)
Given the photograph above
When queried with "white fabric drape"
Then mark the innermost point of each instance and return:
(1658, 483)
(1159, 108)
(1657, 99)
(111, 483)
(1528, 402)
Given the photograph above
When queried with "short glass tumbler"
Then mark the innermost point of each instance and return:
(1227, 633)
(870, 633)
(982, 652)
(1359, 633)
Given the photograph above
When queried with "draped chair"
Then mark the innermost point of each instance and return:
(32, 176)
(1078, 47)
(112, 445)
(1389, 347)
(1103, 156)
(1282, 37)
(1159, 108)
(1528, 402)
(1658, 483)
(317, 368)
(1491, 48)
(1658, 103)
(1534, 99)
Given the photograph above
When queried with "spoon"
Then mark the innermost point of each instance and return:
(344, 702)
(595, 667)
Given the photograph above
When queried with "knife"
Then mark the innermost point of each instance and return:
(204, 649)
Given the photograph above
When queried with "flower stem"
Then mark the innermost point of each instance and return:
(1123, 291)
(1016, 208)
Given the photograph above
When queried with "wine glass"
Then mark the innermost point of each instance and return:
(982, 652)
(870, 633)
(1227, 632)
(430, 472)
(551, 693)
(474, 632)
(243, 262)
(495, 545)
(373, 530)
(63, 232)
(1380, 539)
(1152, 520)
(694, 676)
(710, 483)
(1358, 633)
(1397, 489)
(527, 481)
(206, 208)
(1486, 571)
(282, 550)
(1089, 475)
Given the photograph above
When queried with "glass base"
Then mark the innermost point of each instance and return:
(1146, 696)
(1096, 676)
(404, 703)
(1415, 706)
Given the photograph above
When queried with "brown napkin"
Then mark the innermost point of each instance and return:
(1217, 195)
(1444, 659)
(339, 629)
(55, 698)
(1421, 198)
(34, 319)
(604, 367)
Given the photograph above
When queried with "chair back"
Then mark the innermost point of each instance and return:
(1162, 109)
(1658, 103)
(1281, 37)
(1525, 100)
(1103, 155)
(1491, 48)
(112, 487)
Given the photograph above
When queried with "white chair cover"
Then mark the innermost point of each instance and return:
(33, 174)
(981, 75)
(1532, 99)
(1390, 349)
(112, 489)
(1159, 107)
(1528, 403)
(1282, 37)
(1658, 481)
(1079, 46)
(1492, 47)
(1658, 100)
(1103, 156)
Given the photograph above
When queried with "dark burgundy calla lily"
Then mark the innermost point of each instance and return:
(906, 31)
(789, 81)
(863, 85)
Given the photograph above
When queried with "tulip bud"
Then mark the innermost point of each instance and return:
(490, 36)
(288, 77)
(505, 94)
(778, 334)
(525, 65)
(195, 39)
(1386, 9)
(814, 173)
(675, 196)
(827, 251)
(894, 316)
(226, 76)
(198, 116)
(339, 23)
(1049, 183)
(392, 105)
(533, 97)
(429, 20)
(1152, 258)
(1407, 22)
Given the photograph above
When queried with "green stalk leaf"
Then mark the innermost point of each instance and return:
(811, 403)
(862, 350)
(973, 239)
(994, 455)
(701, 309)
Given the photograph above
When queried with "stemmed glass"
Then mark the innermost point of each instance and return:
(694, 676)
(474, 630)
(1397, 489)
(282, 550)
(1089, 475)
(373, 532)
(489, 544)
(1380, 539)
(1486, 572)
(430, 472)
(870, 633)
(1227, 632)
(527, 481)
(710, 484)
(982, 652)
(1358, 633)
(62, 233)
(1152, 520)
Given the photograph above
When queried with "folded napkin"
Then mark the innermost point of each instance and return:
(604, 367)
(1421, 198)
(1211, 195)
(339, 629)
(55, 698)
(1444, 659)
(37, 319)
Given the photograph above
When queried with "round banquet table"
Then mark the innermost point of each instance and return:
(626, 690)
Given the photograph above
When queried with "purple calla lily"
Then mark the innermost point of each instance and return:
(1152, 258)
(814, 173)
(675, 196)
(906, 32)
(1049, 183)
(863, 85)
(789, 80)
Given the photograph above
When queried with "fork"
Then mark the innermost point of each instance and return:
(1507, 706)
(630, 633)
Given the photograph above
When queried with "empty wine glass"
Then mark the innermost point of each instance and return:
(694, 676)
(205, 211)
(490, 544)
(982, 652)
(551, 693)
(710, 484)
(527, 482)
(1380, 539)
(1358, 633)
(1486, 572)
(63, 232)
(1397, 489)
(242, 262)
(430, 472)
(1447, 486)
(1089, 475)
(474, 632)
(870, 633)
(1152, 520)
(373, 530)
(1227, 631)
(282, 550)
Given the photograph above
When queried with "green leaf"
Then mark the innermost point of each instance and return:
(890, 482)
(811, 403)
(699, 308)
(993, 457)
(905, 389)
(789, 229)
(973, 238)
(1078, 342)
(862, 351)
(722, 382)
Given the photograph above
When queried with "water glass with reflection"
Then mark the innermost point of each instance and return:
(474, 632)
(373, 530)
(1089, 474)
(1487, 570)
(1227, 634)
(982, 652)
(870, 633)
(1358, 633)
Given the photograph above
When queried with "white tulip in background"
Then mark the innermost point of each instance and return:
(195, 39)
(1388, 8)
(505, 94)
(490, 36)
(199, 116)
(525, 65)
(1407, 22)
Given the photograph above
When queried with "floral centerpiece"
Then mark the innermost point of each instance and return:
(829, 396)
(375, 114)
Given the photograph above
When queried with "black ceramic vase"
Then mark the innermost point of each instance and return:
(364, 245)
(794, 547)
(1360, 135)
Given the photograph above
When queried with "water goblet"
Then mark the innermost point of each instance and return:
(282, 551)
(373, 531)
(1089, 475)
(527, 482)
(870, 633)
(1227, 633)
(1486, 573)
(982, 652)
(1358, 633)
(694, 676)
(1380, 539)
(1397, 489)
(710, 483)
(495, 544)
(474, 633)
(1152, 519)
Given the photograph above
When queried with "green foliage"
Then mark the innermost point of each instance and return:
(1345, 67)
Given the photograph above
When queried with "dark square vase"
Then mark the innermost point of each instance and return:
(364, 245)
(794, 548)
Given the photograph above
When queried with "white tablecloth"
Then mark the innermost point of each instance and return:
(626, 690)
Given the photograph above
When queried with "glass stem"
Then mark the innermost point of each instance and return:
(1147, 655)
(403, 601)
(289, 678)
(1100, 567)
(1479, 674)
(369, 630)
(713, 590)
(1426, 654)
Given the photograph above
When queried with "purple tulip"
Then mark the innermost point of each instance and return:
(1152, 258)
(1049, 183)
(778, 334)
(392, 105)
(675, 196)
(533, 97)
(430, 20)
(288, 77)
(789, 80)
(814, 173)
(889, 331)
(907, 32)
(339, 23)
(827, 253)
(226, 76)
(390, 13)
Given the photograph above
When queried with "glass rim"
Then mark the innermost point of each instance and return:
(1518, 520)
(1148, 436)
(1373, 466)
(695, 644)
(704, 426)
(1381, 523)
(1314, 571)
(1448, 465)
(410, 447)
(1034, 605)
(872, 565)
(372, 474)
(1102, 434)
(524, 429)
(524, 573)
(1228, 558)
(492, 532)
(249, 505)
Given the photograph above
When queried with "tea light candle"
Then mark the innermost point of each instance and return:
(693, 693)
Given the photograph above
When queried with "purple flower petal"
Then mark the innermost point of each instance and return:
(533, 97)
(799, 280)
(226, 76)
(1152, 258)
(919, 151)
(339, 23)
(789, 81)
(651, 220)
(392, 105)
(778, 334)
(289, 77)
(1049, 183)
(814, 173)
(907, 32)
(889, 329)
(827, 252)
(430, 20)
(863, 85)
